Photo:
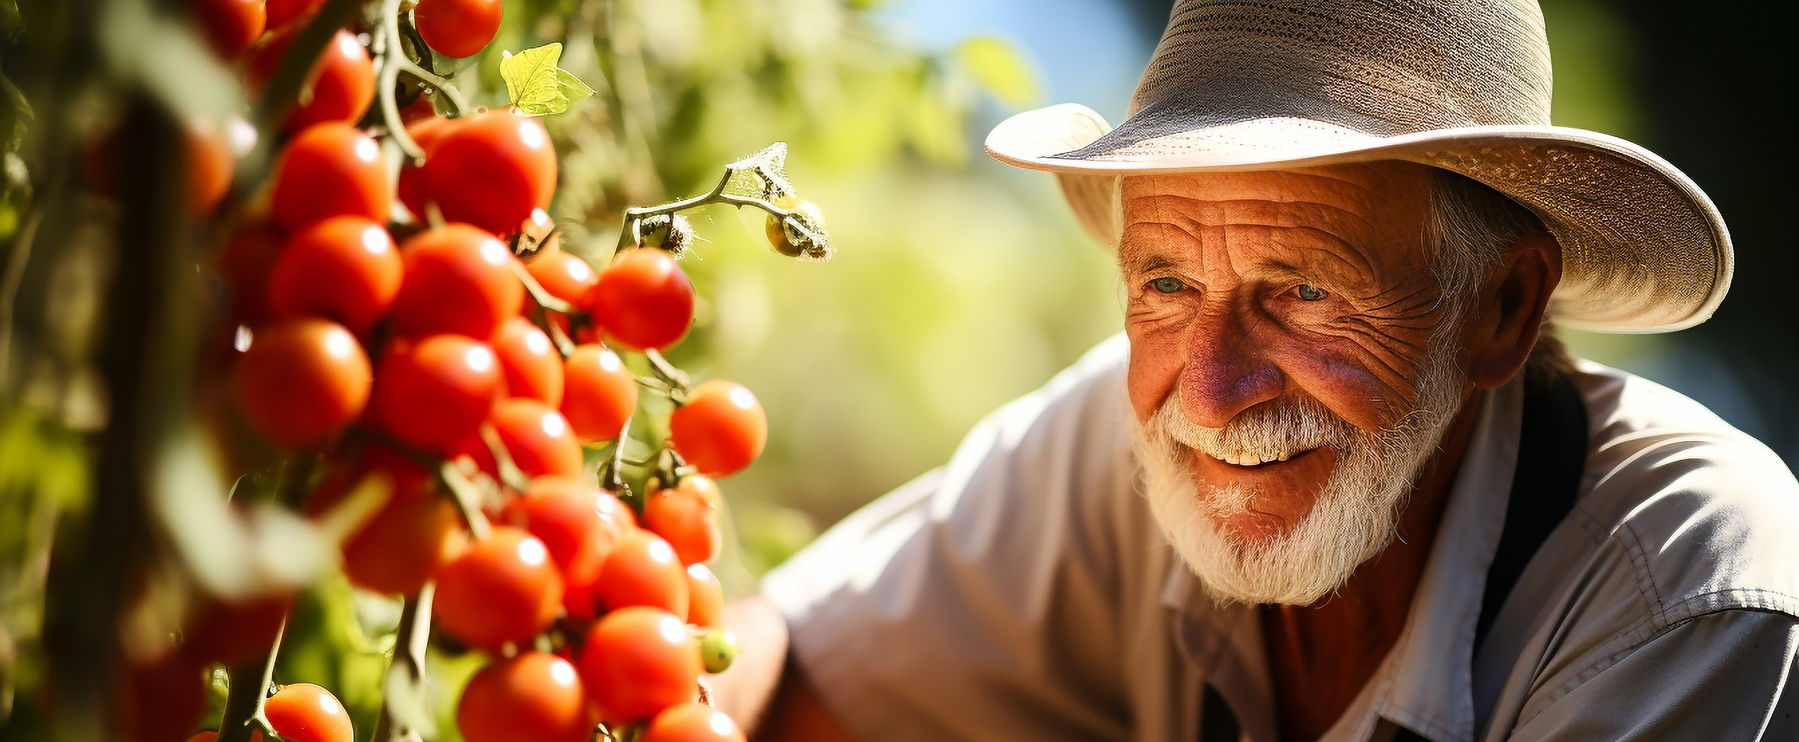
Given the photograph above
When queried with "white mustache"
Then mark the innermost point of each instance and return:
(1264, 433)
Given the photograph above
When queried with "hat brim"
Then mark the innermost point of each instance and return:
(1643, 248)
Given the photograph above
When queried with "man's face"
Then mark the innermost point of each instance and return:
(1286, 370)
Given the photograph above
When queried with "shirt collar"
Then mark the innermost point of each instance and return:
(1426, 681)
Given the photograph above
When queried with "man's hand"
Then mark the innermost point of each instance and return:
(764, 690)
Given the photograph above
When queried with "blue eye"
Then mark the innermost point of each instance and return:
(1167, 285)
(1308, 292)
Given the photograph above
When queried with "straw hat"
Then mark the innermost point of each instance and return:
(1461, 85)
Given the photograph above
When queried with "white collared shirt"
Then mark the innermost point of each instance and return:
(1023, 592)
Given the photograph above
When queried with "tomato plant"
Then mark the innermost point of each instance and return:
(466, 417)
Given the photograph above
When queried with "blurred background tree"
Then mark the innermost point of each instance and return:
(958, 283)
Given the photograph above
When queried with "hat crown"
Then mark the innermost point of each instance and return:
(1383, 67)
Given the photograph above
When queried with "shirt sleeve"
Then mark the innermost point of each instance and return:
(1731, 675)
(977, 601)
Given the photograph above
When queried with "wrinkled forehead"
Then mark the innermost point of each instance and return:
(1379, 206)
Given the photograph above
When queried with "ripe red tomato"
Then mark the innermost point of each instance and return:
(427, 132)
(642, 569)
(564, 513)
(581, 598)
(231, 26)
(458, 279)
(302, 382)
(687, 516)
(344, 268)
(491, 170)
(341, 85)
(303, 712)
(643, 299)
(504, 588)
(327, 170)
(638, 661)
(720, 430)
(457, 28)
(564, 275)
(405, 541)
(706, 603)
(692, 722)
(533, 697)
(282, 11)
(529, 360)
(434, 392)
(537, 437)
(598, 393)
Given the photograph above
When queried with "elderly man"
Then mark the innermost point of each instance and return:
(1336, 481)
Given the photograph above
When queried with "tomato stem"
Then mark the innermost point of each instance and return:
(247, 697)
(509, 473)
(538, 293)
(675, 378)
(773, 186)
(409, 658)
(466, 499)
(393, 60)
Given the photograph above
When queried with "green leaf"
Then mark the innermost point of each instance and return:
(571, 85)
(536, 85)
(1000, 69)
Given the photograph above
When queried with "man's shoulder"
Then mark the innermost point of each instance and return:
(1706, 516)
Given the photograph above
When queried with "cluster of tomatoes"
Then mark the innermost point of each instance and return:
(430, 334)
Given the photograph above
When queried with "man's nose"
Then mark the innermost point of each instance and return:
(1226, 370)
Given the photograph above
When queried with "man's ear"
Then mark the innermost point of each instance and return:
(1511, 308)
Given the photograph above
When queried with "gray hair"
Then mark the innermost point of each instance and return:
(1467, 229)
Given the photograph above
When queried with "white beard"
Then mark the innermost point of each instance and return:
(1353, 518)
